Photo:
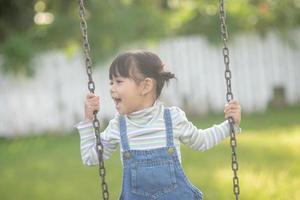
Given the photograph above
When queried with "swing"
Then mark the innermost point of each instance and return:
(229, 97)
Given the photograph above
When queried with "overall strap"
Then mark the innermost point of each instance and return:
(123, 133)
(169, 127)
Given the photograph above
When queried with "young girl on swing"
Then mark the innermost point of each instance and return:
(148, 132)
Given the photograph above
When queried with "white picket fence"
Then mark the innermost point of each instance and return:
(53, 99)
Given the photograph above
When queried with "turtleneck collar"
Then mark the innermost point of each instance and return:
(144, 116)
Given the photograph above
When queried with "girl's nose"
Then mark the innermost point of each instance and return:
(112, 88)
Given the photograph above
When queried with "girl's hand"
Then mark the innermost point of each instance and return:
(91, 104)
(233, 109)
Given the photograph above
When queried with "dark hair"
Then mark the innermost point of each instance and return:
(146, 63)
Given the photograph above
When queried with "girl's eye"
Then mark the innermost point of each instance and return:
(116, 81)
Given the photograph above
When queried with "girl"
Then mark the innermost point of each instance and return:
(148, 132)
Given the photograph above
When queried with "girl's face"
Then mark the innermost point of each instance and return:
(126, 94)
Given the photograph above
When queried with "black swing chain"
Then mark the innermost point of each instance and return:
(91, 87)
(229, 96)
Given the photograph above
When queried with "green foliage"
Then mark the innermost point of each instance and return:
(17, 56)
(49, 166)
(118, 23)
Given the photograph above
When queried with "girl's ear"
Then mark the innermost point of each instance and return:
(147, 86)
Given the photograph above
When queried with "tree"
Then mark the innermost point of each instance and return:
(24, 29)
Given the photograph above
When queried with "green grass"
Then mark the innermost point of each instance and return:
(49, 166)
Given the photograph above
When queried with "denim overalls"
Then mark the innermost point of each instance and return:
(155, 173)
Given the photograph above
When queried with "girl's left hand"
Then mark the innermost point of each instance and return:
(233, 109)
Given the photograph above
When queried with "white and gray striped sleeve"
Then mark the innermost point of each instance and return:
(198, 139)
(109, 138)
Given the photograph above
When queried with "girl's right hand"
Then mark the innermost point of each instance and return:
(91, 104)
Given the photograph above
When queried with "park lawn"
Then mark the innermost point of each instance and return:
(49, 166)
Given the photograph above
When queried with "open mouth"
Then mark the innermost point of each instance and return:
(117, 100)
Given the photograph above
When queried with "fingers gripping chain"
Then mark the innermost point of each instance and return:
(229, 97)
(91, 87)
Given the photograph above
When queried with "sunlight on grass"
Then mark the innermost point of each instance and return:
(261, 184)
(292, 140)
(272, 166)
(288, 139)
(270, 184)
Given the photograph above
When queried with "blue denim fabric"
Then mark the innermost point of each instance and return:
(154, 174)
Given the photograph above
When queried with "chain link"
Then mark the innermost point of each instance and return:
(91, 87)
(229, 97)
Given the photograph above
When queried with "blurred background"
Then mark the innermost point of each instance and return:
(43, 84)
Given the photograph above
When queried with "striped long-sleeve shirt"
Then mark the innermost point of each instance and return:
(146, 130)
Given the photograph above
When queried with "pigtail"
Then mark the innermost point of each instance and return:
(166, 76)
